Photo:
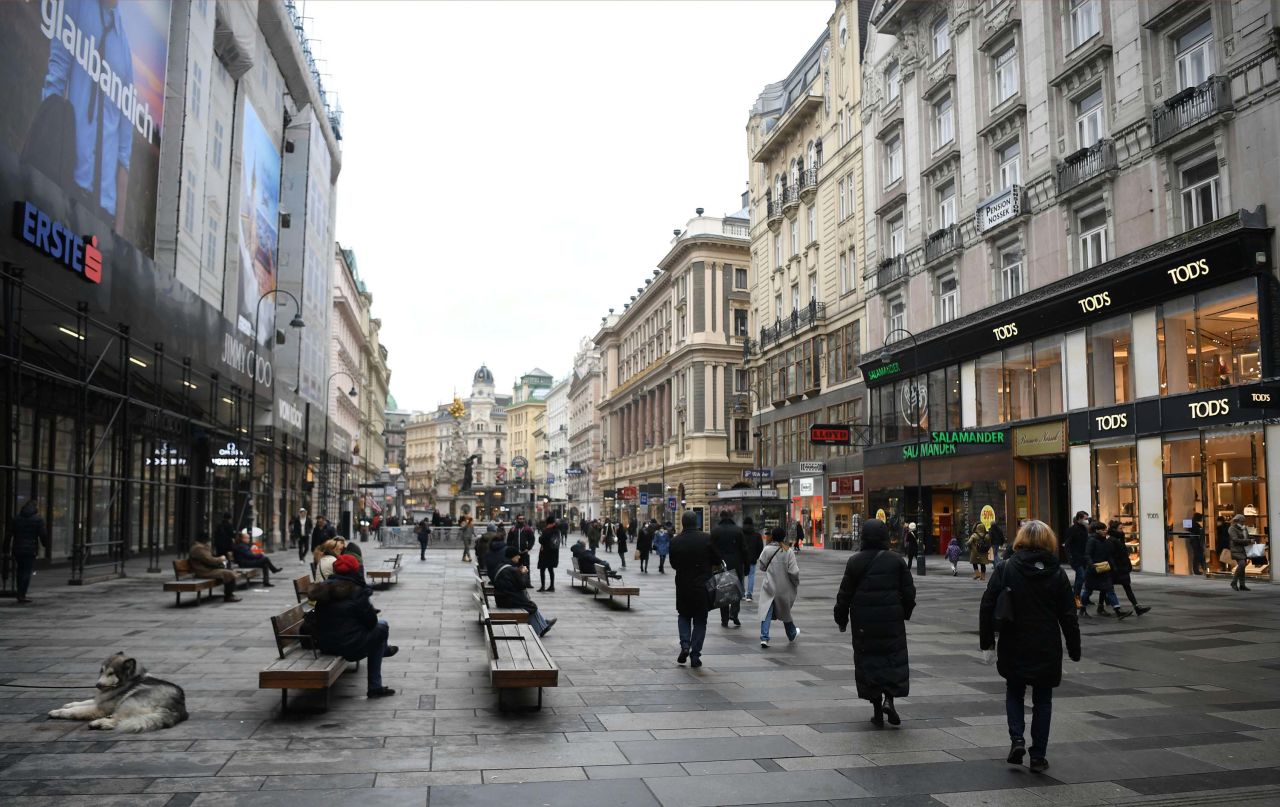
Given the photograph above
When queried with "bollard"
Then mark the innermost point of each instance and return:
(920, 565)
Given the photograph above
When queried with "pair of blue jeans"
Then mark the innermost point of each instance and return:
(693, 631)
(751, 580)
(1041, 715)
(789, 627)
(1081, 569)
(537, 621)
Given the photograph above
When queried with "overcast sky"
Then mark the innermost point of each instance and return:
(513, 170)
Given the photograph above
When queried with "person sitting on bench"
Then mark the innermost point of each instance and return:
(206, 565)
(508, 591)
(246, 559)
(347, 624)
(496, 556)
(588, 562)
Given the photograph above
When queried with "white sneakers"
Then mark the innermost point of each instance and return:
(797, 636)
(763, 643)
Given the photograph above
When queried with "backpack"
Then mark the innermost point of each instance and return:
(984, 543)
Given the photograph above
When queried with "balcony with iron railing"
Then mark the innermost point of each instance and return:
(890, 271)
(800, 319)
(774, 212)
(941, 242)
(790, 200)
(808, 184)
(1192, 106)
(1086, 164)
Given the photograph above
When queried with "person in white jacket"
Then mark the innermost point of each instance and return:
(780, 572)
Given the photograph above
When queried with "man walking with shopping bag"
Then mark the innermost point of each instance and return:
(694, 559)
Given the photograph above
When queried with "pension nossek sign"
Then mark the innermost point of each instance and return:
(946, 444)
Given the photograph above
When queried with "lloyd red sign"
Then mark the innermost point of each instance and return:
(630, 493)
(830, 435)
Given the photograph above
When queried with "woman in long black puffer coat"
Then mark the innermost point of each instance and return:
(548, 553)
(877, 597)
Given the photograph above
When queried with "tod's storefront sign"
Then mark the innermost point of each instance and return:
(1176, 413)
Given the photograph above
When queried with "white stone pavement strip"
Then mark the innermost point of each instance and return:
(1172, 708)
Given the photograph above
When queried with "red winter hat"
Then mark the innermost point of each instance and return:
(347, 564)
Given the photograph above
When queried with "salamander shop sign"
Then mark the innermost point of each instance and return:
(947, 444)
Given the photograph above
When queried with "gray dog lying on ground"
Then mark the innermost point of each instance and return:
(128, 700)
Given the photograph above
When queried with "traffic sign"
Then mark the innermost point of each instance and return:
(644, 499)
(671, 502)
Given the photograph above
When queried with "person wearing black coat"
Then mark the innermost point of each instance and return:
(1077, 543)
(26, 535)
(521, 536)
(876, 598)
(1098, 551)
(754, 543)
(482, 548)
(224, 536)
(346, 624)
(496, 556)
(1029, 652)
(621, 535)
(245, 558)
(731, 545)
(300, 532)
(1122, 564)
(509, 590)
(694, 558)
(321, 532)
(644, 544)
(548, 554)
(587, 560)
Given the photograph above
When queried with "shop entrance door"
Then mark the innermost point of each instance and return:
(1048, 487)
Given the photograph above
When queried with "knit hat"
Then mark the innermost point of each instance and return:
(511, 551)
(346, 564)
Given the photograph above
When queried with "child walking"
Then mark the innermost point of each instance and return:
(953, 555)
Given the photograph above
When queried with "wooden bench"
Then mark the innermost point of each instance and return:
(298, 668)
(518, 660)
(300, 586)
(385, 576)
(184, 582)
(598, 582)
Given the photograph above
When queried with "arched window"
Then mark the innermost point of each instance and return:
(813, 155)
(795, 172)
(817, 153)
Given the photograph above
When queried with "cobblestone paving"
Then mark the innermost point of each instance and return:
(1181, 706)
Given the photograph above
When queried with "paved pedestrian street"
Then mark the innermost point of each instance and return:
(1181, 706)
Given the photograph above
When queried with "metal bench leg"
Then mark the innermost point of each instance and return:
(284, 701)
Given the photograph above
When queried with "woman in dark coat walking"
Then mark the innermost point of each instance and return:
(644, 544)
(1029, 652)
(622, 534)
(1122, 564)
(1099, 552)
(877, 597)
(548, 554)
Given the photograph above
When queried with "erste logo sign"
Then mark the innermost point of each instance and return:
(53, 238)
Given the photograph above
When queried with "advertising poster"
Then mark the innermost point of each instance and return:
(83, 101)
(259, 227)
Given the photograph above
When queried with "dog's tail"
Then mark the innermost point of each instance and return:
(162, 719)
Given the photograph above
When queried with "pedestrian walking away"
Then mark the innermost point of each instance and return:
(911, 543)
(755, 545)
(1029, 605)
(693, 558)
(644, 544)
(779, 585)
(730, 544)
(1122, 564)
(979, 545)
(346, 624)
(875, 601)
(621, 536)
(1195, 544)
(953, 555)
(467, 533)
(548, 554)
(26, 535)
(662, 545)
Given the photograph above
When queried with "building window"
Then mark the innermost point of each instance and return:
(948, 298)
(795, 296)
(189, 216)
(813, 285)
(987, 376)
(813, 224)
(840, 200)
(848, 190)
(813, 155)
(944, 128)
(1200, 193)
(1093, 239)
(739, 322)
(739, 277)
(741, 435)
(946, 194)
(846, 280)
(777, 306)
(1006, 74)
(1086, 21)
(1210, 339)
(197, 91)
(777, 251)
(897, 237)
(217, 146)
(1010, 274)
(893, 160)
(1090, 126)
(1195, 55)
(211, 245)
(892, 82)
(741, 380)
(795, 237)
(941, 38)
(1109, 345)
(1008, 160)
(897, 315)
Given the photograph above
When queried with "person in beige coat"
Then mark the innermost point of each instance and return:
(206, 565)
(780, 574)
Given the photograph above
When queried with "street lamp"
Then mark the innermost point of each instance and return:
(650, 444)
(324, 496)
(296, 322)
(886, 354)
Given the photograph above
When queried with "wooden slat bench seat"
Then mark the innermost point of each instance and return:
(186, 583)
(385, 576)
(518, 660)
(298, 668)
(599, 582)
(300, 586)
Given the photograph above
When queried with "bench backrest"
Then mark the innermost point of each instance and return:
(397, 563)
(181, 568)
(300, 586)
(285, 627)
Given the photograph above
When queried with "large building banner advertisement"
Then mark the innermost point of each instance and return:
(83, 101)
(259, 232)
